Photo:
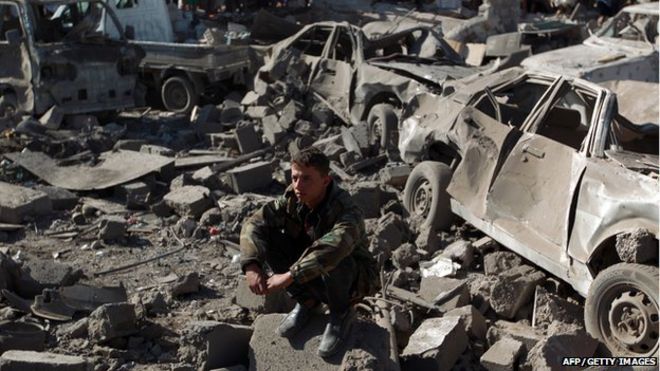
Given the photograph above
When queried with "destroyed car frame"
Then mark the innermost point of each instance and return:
(547, 167)
(51, 55)
(367, 79)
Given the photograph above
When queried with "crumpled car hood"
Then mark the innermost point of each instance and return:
(435, 74)
(639, 162)
(574, 60)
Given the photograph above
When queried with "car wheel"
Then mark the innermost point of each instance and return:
(178, 95)
(425, 194)
(383, 126)
(621, 309)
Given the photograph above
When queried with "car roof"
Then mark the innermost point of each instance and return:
(646, 8)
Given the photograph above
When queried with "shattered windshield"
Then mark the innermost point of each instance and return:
(57, 22)
(633, 27)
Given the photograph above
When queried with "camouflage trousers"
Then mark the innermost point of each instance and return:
(336, 288)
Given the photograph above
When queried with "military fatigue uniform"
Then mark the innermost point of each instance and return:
(325, 249)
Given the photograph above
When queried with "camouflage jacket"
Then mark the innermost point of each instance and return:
(338, 231)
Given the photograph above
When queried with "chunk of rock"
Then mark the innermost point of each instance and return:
(212, 344)
(189, 200)
(638, 246)
(22, 360)
(275, 302)
(549, 308)
(516, 330)
(447, 293)
(391, 230)
(436, 345)
(207, 177)
(251, 177)
(405, 256)
(17, 203)
(187, 284)
(211, 216)
(135, 194)
(61, 199)
(473, 320)
(50, 273)
(503, 355)
(564, 342)
(299, 352)
(460, 251)
(396, 176)
(247, 138)
(112, 228)
(500, 261)
(370, 196)
(111, 321)
(514, 289)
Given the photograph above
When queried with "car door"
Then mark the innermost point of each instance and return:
(333, 76)
(531, 196)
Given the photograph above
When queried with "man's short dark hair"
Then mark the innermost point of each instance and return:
(312, 156)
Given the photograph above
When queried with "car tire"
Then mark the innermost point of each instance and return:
(621, 309)
(425, 194)
(383, 126)
(178, 95)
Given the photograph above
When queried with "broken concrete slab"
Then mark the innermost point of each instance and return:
(289, 115)
(473, 320)
(51, 273)
(259, 112)
(221, 344)
(560, 344)
(21, 360)
(189, 200)
(251, 177)
(369, 196)
(129, 144)
(207, 177)
(517, 330)
(435, 345)
(16, 335)
(273, 132)
(432, 288)
(18, 203)
(503, 355)
(112, 169)
(112, 228)
(460, 251)
(513, 289)
(276, 302)
(500, 261)
(60, 198)
(187, 284)
(247, 139)
(135, 194)
(299, 352)
(153, 149)
(111, 321)
(199, 161)
(396, 176)
(549, 308)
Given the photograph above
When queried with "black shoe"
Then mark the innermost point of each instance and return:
(294, 321)
(336, 332)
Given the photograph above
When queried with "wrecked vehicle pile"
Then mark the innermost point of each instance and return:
(513, 215)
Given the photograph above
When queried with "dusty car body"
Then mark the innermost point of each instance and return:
(353, 73)
(625, 48)
(546, 166)
(52, 54)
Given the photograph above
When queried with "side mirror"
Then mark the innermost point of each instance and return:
(129, 32)
(14, 36)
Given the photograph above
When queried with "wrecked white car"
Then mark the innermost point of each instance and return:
(367, 79)
(51, 53)
(546, 166)
(625, 48)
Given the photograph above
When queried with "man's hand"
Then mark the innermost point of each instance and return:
(279, 281)
(256, 279)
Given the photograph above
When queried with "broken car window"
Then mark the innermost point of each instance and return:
(9, 20)
(69, 21)
(515, 102)
(343, 48)
(313, 41)
(567, 121)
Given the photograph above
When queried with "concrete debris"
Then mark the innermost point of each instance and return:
(369, 196)
(21, 336)
(50, 273)
(435, 290)
(276, 302)
(395, 176)
(638, 246)
(515, 330)
(502, 356)
(550, 308)
(460, 251)
(299, 352)
(273, 132)
(513, 289)
(500, 261)
(135, 194)
(561, 343)
(207, 177)
(112, 228)
(19, 360)
(251, 177)
(436, 344)
(211, 344)
(153, 149)
(189, 200)
(186, 285)
(17, 203)
(60, 198)
(112, 321)
(472, 319)
(247, 139)
(405, 256)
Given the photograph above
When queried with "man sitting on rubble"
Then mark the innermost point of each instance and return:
(313, 240)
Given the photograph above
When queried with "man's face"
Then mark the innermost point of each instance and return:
(308, 184)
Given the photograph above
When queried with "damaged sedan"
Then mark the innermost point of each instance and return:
(52, 54)
(548, 167)
(363, 78)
